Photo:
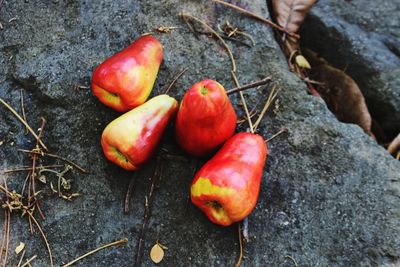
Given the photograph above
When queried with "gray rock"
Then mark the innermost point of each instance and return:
(330, 196)
(362, 38)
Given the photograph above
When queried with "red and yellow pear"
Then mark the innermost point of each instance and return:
(205, 119)
(125, 80)
(226, 188)
(130, 139)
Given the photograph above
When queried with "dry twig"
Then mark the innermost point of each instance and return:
(23, 122)
(239, 261)
(292, 259)
(209, 28)
(284, 130)
(26, 168)
(251, 14)
(147, 211)
(129, 192)
(28, 262)
(115, 243)
(73, 164)
(174, 80)
(272, 95)
(23, 108)
(243, 102)
(248, 86)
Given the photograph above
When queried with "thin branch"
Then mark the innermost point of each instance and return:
(43, 236)
(186, 15)
(251, 14)
(56, 157)
(33, 173)
(243, 102)
(129, 192)
(191, 28)
(226, 38)
(174, 80)
(272, 95)
(248, 86)
(28, 262)
(284, 130)
(26, 168)
(115, 243)
(23, 108)
(230, 31)
(24, 123)
(8, 239)
(147, 210)
(21, 258)
(292, 259)
(3, 241)
(239, 261)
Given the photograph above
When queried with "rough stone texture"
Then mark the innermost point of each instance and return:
(363, 38)
(330, 196)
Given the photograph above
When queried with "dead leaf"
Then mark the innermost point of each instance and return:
(20, 247)
(42, 179)
(290, 14)
(394, 145)
(156, 253)
(302, 62)
(340, 92)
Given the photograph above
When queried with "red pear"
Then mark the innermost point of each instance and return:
(129, 140)
(125, 80)
(205, 119)
(226, 188)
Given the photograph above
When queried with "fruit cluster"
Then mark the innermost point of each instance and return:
(226, 188)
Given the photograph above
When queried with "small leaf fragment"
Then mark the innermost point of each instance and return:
(20, 247)
(156, 253)
(302, 62)
(42, 179)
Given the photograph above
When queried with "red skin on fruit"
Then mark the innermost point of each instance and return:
(125, 80)
(226, 188)
(130, 140)
(205, 119)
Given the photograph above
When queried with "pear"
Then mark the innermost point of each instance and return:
(130, 139)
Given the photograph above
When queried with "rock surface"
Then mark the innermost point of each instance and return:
(362, 38)
(330, 196)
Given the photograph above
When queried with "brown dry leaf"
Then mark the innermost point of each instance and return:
(20, 247)
(394, 145)
(156, 253)
(340, 92)
(290, 14)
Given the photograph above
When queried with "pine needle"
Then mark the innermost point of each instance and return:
(115, 243)
(24, 123)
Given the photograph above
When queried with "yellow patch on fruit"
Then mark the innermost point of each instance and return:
(219, 213)
(110, 98)
(203, 186)
(119, 155)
